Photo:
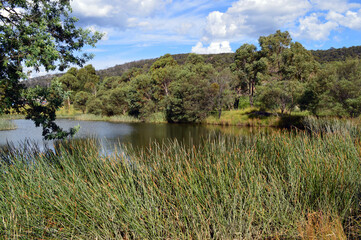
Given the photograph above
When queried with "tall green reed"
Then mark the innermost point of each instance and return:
(249, 187)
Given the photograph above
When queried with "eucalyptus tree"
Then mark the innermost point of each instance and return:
(289, 67)
(80, 100)
(335, 90)
(249, 66)
(38, 34)
(192, 94)
(221, 85)
(162, 72)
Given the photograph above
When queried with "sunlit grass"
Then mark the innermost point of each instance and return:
(242, 117)
(158, 117)
(267, 185)
(6, 124)
(68, 112)
(71, 113)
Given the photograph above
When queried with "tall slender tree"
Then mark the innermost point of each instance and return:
(249, 65)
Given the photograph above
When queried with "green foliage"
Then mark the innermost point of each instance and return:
(80, 100)
(164, 61)
(281, 76)
(37, 34)
(163, 73)
(118, 98)
(94, 106)
(263, 186)
(337, 54)
(249, 66)
(289, 67)
(110, 82)
(42, 104)
(194, 59)
(140, 96)
(336, 90)
(87, 79)
(191, 98)
(70, 82)
(224, 98)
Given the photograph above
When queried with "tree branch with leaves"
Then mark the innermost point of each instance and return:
(38, 34)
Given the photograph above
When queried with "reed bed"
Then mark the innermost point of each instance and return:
(120, 118)
(302, 185)
(242, 117)
(6, 124)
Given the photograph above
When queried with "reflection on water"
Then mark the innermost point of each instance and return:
(139, 135)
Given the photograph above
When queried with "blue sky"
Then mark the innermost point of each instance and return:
(142, 29)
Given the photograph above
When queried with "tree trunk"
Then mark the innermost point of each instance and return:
(251, 93)
(68, 102)
(236, 103)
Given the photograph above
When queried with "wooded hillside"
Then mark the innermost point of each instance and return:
(217, 60)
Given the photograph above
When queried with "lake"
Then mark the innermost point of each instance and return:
(139, 135)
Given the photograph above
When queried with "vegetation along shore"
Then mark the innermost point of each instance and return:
(250, 87)
(278, 184)
(303, 182)
(266, 185)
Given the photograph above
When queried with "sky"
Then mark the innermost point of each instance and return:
(143, 29)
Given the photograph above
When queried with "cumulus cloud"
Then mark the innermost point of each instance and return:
(254, 17)
(350, 19)
(116, 13)
(214, 47)
(311, 27)
(107, 8)
(92, 8)
(305, 19)
(319, 24)
(334, 5)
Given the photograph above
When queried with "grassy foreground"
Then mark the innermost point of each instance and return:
(276, 185)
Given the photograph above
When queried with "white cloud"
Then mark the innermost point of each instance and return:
(214, 47)
(350, 19)
(111, 8)
(334, 5)
(306, 19)
(254, 17)
(311, 27)
(319, 25)
(92, 8)
(120, 14)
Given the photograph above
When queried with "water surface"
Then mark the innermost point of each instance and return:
(139, 135)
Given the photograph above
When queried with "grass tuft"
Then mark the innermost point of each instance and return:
(6, 124)
(272, 185)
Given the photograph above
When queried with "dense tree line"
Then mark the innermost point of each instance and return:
(337, 54)
(280, 77)
(184, 93)
(217, 60)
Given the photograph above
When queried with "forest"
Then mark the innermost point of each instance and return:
(279, 78)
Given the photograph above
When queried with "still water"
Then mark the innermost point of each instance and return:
(139, 135)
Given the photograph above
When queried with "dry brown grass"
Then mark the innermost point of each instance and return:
(319, 225)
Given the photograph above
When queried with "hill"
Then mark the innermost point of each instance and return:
(337, 54)
(219, 61)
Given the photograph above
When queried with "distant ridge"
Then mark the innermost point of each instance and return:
(219, 61)
(337, 54)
